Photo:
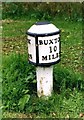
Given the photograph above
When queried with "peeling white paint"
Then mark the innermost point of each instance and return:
(44, 81)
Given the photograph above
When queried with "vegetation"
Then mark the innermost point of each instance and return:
(42, 10)
(19, 90)
(19, 77)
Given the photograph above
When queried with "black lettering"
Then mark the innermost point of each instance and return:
(44, 57)
(49, 57)
(29, 41)
(30, 56)
(54, 56)
(40, 42)
(58, 39)
(45, 42)
(50, 49)
(51, 41)
(55, 40)
(55, 48)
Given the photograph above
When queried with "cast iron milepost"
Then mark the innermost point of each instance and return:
(43, 52)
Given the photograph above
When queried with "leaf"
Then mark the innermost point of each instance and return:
(34, 81)
(67, 116)
(23, 101)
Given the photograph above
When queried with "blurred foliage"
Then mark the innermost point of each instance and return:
(42, 10)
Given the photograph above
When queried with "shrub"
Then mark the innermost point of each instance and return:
(41, 10)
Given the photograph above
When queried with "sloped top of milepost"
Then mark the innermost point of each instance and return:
(42, 23)
(43, 29)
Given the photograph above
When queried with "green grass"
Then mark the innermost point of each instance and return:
(17, 28)
(19, 91)
(67, 98)
(14, 39)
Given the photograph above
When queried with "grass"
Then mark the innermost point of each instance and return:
(56, 107)
(67, 98)
(19, 81)
(14, 39)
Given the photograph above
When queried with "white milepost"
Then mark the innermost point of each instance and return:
(44, 81)
(44, 51)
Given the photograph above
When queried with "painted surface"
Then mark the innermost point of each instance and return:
(44, 81)
(31, 48)
(48, 49)
(41, 29)
(43, 44)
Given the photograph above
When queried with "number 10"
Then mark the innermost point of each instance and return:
(53, 49)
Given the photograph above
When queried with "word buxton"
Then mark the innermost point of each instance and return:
(46, 42)
(48, 49)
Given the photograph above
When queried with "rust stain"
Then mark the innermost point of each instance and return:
(41, 80)
(42, 92)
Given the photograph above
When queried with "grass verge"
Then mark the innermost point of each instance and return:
(14, 40)
(19, 91)
(19, 78)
